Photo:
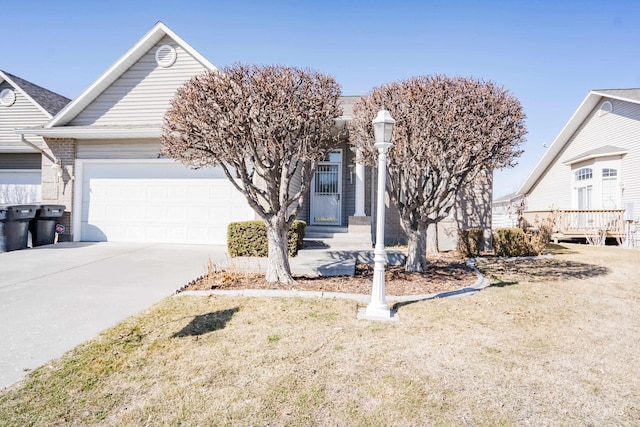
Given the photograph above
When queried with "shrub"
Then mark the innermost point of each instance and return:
(249, 238)
(470, 242)
(543, 232)
(511, 242)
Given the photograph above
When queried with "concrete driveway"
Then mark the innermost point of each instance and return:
(55, 297)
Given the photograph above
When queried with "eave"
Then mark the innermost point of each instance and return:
(95, 132)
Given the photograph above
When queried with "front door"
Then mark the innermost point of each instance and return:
(326, 192)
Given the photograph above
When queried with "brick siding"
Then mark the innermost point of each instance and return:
(59, 190)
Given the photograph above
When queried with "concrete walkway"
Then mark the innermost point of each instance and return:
(55, 297)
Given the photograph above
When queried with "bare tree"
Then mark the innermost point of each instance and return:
(447, 130)
(266, 127)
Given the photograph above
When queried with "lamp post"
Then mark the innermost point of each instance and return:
(382, 130)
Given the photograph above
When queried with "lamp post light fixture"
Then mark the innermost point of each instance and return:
(382, 130)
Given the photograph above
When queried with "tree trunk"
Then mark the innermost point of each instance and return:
(432, 239)
(417, 255)
(278, 269)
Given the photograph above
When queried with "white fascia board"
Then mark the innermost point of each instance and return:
(93, 133)
(187, 47)
(561, 140)
(153, 36)
(6, 78)
(595, 156)
(619, 98)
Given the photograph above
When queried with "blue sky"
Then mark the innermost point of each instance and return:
(547, 53)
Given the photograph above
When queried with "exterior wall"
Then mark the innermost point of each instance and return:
(21, 114)
(59, 189)
(619, 128)
(472, 210)
(142, 94)
(118, 149)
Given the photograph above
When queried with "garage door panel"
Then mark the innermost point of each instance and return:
(176, 191)
(158, 202)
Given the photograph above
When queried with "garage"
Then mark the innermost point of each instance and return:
(154, 201)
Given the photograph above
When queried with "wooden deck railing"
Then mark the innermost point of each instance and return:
(583, 223)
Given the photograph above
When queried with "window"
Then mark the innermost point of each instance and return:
(609, 188)
(585, 194)
(596, 183)
(584, 173)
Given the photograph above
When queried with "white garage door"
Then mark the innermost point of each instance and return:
(158, 202)
(20, 185)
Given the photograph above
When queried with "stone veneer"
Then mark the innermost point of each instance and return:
(59, 190)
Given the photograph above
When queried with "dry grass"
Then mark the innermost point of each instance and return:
(530, 351)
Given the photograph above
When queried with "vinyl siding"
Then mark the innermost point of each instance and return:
(118, 149)
(142, 94)
(620, 128)
(21, 114)
(30, 161)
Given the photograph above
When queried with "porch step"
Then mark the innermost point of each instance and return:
(324, 232)
(333, 237)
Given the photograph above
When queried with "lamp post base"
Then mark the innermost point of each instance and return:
(379, 314)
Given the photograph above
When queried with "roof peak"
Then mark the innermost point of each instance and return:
(50, 102)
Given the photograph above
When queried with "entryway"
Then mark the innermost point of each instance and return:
(326, 191)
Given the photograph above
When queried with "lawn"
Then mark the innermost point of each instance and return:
(551, 342)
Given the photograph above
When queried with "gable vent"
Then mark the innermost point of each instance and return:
(605, 108)
(7, 97)
(166, 55)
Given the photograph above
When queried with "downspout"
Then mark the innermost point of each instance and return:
(40, 150)
(55, 163)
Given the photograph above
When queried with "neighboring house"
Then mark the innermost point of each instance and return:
(117, 187)
(591, 173)
(22, 104)
(503, 211)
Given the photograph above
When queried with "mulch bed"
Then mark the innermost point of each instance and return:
(445, 273)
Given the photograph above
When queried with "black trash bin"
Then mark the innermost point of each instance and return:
(43, 226)
(15, 226)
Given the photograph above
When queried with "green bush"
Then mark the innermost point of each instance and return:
(249, 238)
(470, 242)
(512, 242)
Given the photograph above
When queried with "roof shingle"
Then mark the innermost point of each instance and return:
(50, 101)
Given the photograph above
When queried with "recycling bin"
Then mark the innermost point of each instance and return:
(14, 226)
(43, 226)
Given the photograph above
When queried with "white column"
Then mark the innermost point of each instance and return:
(359, 187)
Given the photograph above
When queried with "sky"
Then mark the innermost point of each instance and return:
(549, 54)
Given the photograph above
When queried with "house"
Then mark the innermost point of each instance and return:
(590, 175)
(117, 187)
(22, 104)
(503, 213)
